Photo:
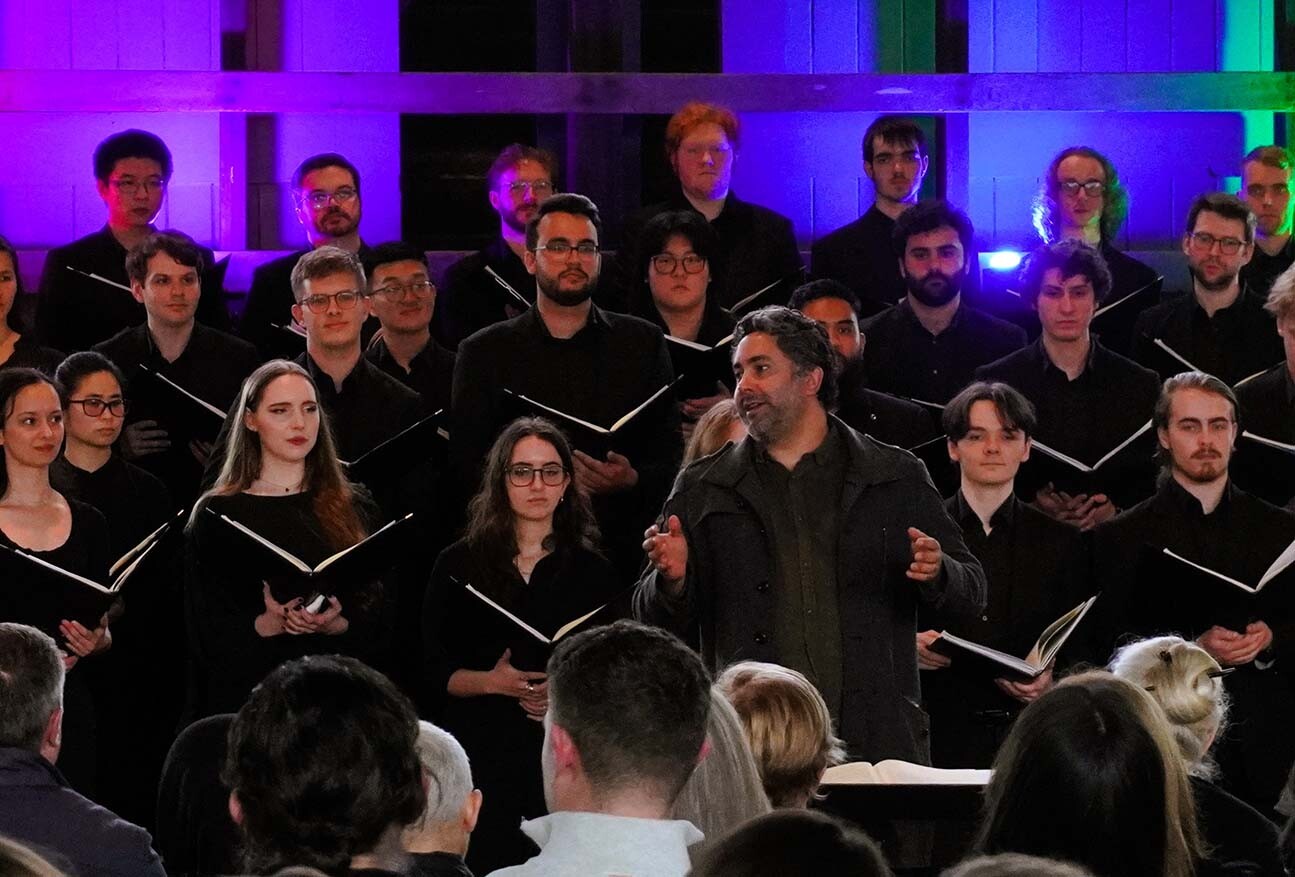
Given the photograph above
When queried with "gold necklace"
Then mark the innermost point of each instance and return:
(294, 489)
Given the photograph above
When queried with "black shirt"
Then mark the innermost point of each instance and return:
(1035, 568)
(1262, 269)
(212, 366)
(804, 505)
(1237, 342)
(757, 246)
(75, 312)
(886, 418)
(1267, 410)
(430, 375)
(438, 865)
(1088, 417)
(28, 354)
(470, 299)
(1128, 276)
(134, 502)
(608, 368)
(700, 375)
(370, 407)
(902, 358)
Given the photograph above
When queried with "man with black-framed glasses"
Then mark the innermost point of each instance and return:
(1220, 327)
(519, 180)
(571, 355)
(166, 272)
(403, 298)
(326, 200)
(85, 293)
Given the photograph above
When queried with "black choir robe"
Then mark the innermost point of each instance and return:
(470, 299)
(1237, 342)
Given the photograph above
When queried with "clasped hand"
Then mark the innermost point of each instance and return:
(530, 689)
(293, 617)
(1232, 649)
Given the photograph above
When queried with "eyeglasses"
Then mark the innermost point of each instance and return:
(319, 200)
(130, 187)
(698, 150)
(319, 302)
(1092, 188)
(664, 263)
(523, 475)
(94, 407)
(394, 292)
(1204, 241)
(538, 188)
(559, 249)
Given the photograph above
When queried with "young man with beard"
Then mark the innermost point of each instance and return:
(1200, 515)
(810, 545)
(1220, 327)
(1266, 185)
(570, 354)
(520, 179)
(929, 345)
(326, 198)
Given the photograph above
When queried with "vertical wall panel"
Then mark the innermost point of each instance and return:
(34, 35)
(1148, 48)
(772, 37)
(1015, 34)
(840, 18)
(140, 34)
(1103, 37)
(1193, 37)
(94, 35)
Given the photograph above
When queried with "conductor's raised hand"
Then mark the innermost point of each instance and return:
(927, 556)
(667, 550)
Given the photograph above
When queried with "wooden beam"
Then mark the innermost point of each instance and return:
(636, 93)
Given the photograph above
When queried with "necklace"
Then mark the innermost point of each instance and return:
(296, 488)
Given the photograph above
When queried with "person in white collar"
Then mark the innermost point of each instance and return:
(626, 725)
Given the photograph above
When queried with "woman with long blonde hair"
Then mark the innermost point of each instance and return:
(280, 478)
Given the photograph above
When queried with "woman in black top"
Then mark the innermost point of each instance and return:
(530, 546)
(18, 350)
(280, 478)
(139, 685)
(37, 519)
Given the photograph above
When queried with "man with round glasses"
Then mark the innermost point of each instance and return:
(326, 200)
(166, 271)
(403, 298)
(1220, 326)
(520, 179)
(75, 311)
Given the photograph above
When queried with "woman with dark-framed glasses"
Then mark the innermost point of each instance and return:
(530, 548)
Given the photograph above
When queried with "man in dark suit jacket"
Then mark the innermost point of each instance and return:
(74, 311)
(810, 545)
(326, 196)
(757, 246)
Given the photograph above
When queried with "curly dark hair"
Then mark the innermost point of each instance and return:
(1072, 258)
(1046, 211)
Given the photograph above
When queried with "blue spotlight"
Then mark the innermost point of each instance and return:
(1004, 260)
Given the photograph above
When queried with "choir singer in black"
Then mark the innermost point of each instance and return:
(531, 548)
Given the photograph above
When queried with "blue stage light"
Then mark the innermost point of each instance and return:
(1004, 260)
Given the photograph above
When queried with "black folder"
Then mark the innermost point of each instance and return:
(182, 413)
(1119, 467)
(531, 646)
(980, 659)
(1194, 597)
(700, 367)
(388, 461)
(591, 438)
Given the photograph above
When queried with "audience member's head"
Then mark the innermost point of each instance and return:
(519, 180)
(1187, 683)
(1196, 421)
(792, 843)
(626, 725)
(10, 284)
(988, 426)
(1281, 304)
(31, 691)
(1090, 773)
(835, 307)
(1218, 241)
(1082, 197)
(326, 196)
(932, 241)
(895, 159)
(1015, 865)
(332, 299)
(131, 171)
(794, 343)
(562, 249)
(323, 766)
(1266, 188)
(788, 726)
(701, 144)
(17, 860)
(725, 790)
(721, 424)
(453, 804)
(402, 295)
(676, 249)
(165, 271)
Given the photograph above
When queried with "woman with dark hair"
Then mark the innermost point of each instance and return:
(18, 350)
(1084, 198)
(675, 254)
(530, 547)
(1090, 774)
(280, 478)
(38, 520)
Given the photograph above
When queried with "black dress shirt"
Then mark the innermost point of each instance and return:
(1088, 417)
(1267, 410)
(75, 312)
(1262, 269)
(269, 304)
(717, 369)
(212, 366)
(430, 375)
(1235, 343)
(862, 256)
(886, 418)
(27, 353)
(608, 368)
(904, 359)
(1035, 569)
(804, 505)
(1128, 276)
(756, 247)
(470, 299)
(370, 407)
